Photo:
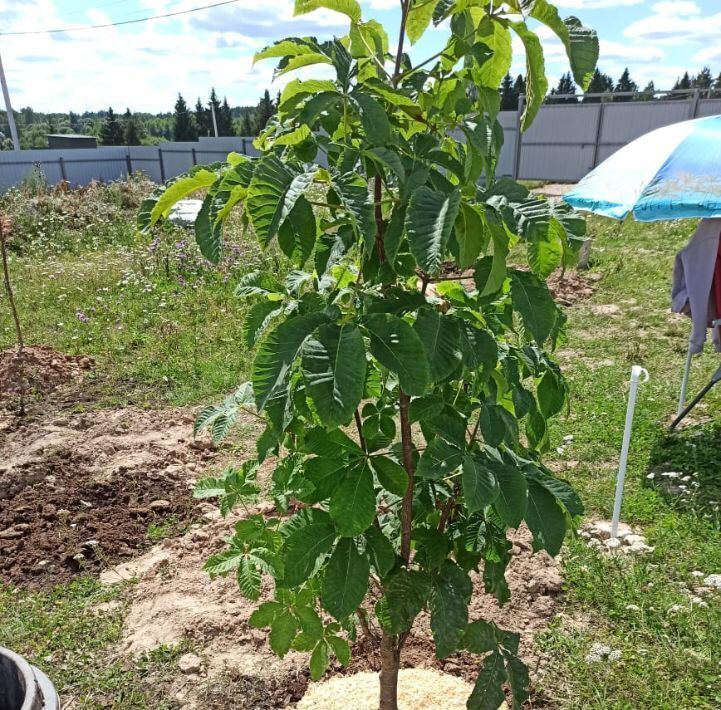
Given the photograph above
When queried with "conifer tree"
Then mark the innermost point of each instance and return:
(111, 131)
(183, 128)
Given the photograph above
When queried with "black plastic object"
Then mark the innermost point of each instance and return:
(24, 687)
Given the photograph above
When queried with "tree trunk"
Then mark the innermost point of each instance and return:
(390, 663)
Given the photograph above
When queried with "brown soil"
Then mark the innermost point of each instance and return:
(79, 492)
(38, 370)
(174, 600)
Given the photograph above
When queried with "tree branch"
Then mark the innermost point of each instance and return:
(359, 426)
(407, 444)
(405, 5)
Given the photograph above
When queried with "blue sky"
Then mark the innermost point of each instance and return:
(144, 66)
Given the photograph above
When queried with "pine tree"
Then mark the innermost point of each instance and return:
(202, 116)
(183, 128)
(625, 85)
(600, 84)
(648, 93)
(703, 80)
(214, 113)
(264, 112)
(682, 84)
(246, 123)
(717, 84)
(566, 89)
(519, 87)
(111, 132)
(131, 130)
(225, 119)
(509, 99)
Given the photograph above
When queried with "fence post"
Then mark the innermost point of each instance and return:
(162, 167)
(599, 132)
(128, 163)
(694, 103)
(245, 150)
(63, 174)
(519, 137)
(195, 157)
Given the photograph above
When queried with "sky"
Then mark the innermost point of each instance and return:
(143, 66)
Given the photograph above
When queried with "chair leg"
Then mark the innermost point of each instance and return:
(684, 383)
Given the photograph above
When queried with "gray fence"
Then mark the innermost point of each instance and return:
(563, 144)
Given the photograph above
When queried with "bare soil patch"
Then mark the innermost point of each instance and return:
(38, 370)
(79, 492)
(174, 601)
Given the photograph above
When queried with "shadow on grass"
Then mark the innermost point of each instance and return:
(685, 467)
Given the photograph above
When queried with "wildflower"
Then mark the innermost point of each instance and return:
(82, 317)
(632, 607)
(675, 609)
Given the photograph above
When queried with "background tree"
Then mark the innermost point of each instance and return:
(183, 124)
(519, 86)
(565, 91)
(225, 120)
(131, 129)
(600, 84)
(703, 80)
(648, 92)
(213, 112)
(264, 111)
(111, 131)
(246, 124)
(449, 388)
(509, 97)
(625, 85)
(202, 119)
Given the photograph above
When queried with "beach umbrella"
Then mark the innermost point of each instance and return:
(673, 172)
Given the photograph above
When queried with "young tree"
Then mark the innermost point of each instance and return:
(703, 80)
(625, 85)
(213, 113)
(600, 84)
(202, 119)
(111, 130)
(565, 91)
(225, 120)
(131, 130)
(183, 126)
(509, 97)
(405, 410)
(648, 92)
(519, 86)
(246, 123)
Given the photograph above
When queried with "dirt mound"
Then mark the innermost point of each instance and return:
(38, 370)
(570, 287)
(79, 492)
(174, 600)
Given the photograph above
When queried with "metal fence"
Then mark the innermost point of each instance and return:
(565, 142)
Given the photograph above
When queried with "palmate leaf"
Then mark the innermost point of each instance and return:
(450, 593)
(352, 191)
(373, 117)
(334, 366)
(294, 137)
(406, 594)
(298, 232)
(441, 339)
(397, 346)
(346, 579)
(259, 317)
(531, 298)
(347, 7)
(545, 520)
(480, 487)
(498, 39)
(512, 501)
(419, 17)
(429, 220)
(440, 459)
(289, 47)
(278, 352)
(488, 689)
(303, 548)
(391, 475)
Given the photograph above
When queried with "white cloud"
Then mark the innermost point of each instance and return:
(668, 26)
(676, 9)
(631, 53)
(595, 4)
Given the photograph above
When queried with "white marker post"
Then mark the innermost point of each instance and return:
(636, 372)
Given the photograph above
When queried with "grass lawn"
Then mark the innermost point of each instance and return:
(165, 329)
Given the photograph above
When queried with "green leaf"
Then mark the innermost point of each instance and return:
(248, 578)
(440, 459)
(406, 594)
(551, 394)
(397, 347)
(334, 367)
(352, 191)
(490, 280)
(533, 301)
(259, 317)
(163, 199)
(424, 407)
(264, 614)
(373, 117)
(302, 549)
(518, 679)
(346, 579)
(432, 548)
(341, 648)
(353, 503)
(391, 475)
(471, 234)
(319, 661)
(546, 255)
(488, 689)
(259, 283)
(480, 487)
(545, 520)
(266, 196)
(291, 64)
(440, 336)
(429, 220)
(277, 354)
(480, 637)
(536, 81)
(310, 622)
(512, 500)
(290, 47)
(419, 17)
(380, 551)
(450, 593)
(478, 346)
(282, 632)
(498, 39)
(560, 489)
(294, 137)
(347, 7)
(296, 90)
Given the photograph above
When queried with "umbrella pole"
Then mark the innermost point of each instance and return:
(684, 382)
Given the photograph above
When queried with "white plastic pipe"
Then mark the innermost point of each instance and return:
(684, 382)
(636, 372)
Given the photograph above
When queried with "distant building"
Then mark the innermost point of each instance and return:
(70, 140)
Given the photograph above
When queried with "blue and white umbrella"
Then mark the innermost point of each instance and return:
(670, 173)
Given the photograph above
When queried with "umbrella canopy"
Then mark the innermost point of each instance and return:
(670, 173)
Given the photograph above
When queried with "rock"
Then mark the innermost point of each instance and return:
(638, 548)
(160, 505)
(90, 543)
(634, 540)
(602, 530)
(612, 543)
(14, 532)
(189, 663)
(173, 470)
(713, 581)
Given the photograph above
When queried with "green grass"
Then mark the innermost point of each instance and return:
(63, 633)
(669, 659)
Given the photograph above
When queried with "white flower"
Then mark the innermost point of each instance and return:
(697, 573)
(615, 655)
(675, 609)
(632, 607)
(651, 476)
(568, 437)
